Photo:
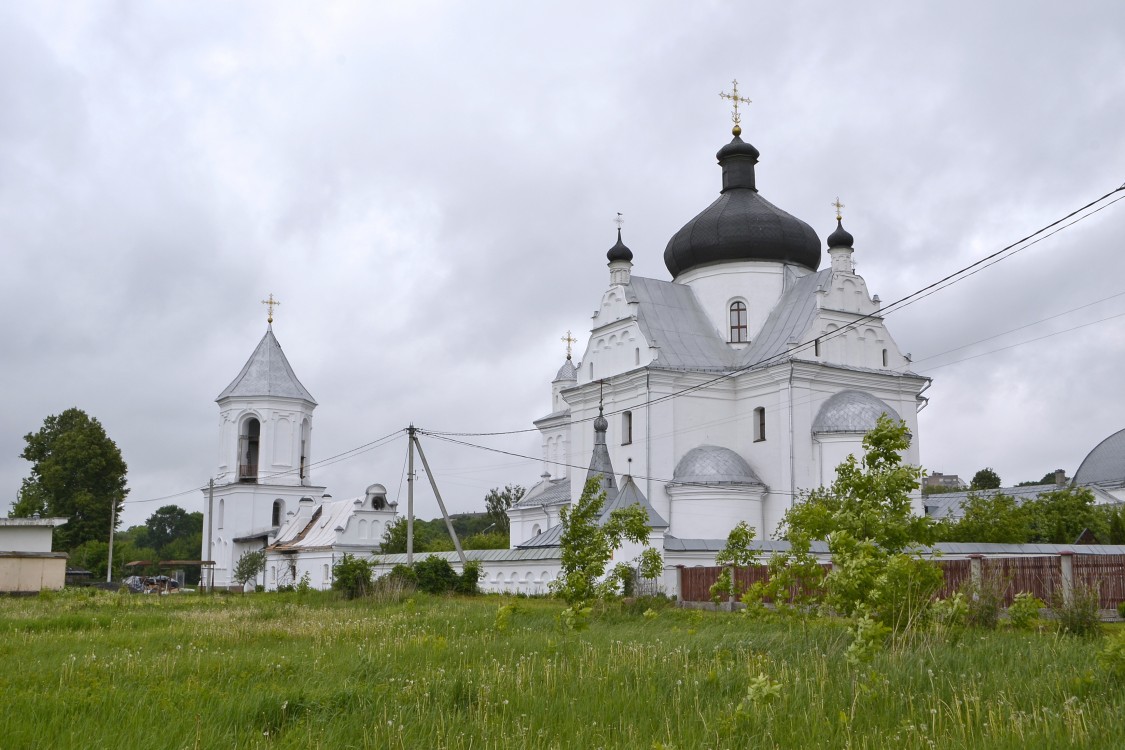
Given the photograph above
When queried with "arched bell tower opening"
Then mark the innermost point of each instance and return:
(249, 444)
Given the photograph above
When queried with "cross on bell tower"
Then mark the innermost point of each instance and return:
(270, 304)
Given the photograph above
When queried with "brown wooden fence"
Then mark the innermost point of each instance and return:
(1041, 576)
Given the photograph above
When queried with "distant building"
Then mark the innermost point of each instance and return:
(27, 562)
(943, 481)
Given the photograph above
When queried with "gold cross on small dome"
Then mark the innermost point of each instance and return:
(568, 340)
(838, 205)
(735, 116)
(270, 304)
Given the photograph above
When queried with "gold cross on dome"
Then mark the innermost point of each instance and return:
(735, 116)
(270, 304)
(838, 206)
(568, 339)
(618, 221)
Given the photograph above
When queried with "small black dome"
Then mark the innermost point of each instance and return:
(619, 251)
(841, 237)
(741, 224)
(601, 424)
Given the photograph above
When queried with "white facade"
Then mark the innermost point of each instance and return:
(264, 494)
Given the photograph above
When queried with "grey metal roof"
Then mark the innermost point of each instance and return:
(790, 318)
(267, 373)
(567, 372)
(713, 464)
(673, 544)
(552, 537)
(948, 504)
(670, 318)
(629, 495)
(547, 492)
(851, 411)
(484, 555)
(1105, 464)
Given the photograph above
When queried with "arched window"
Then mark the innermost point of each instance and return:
(884, 358)
(759, 424)
(248, 450)
(626, 427)
(738, 332)
(278, 512)
(219, 515)
(306, 428)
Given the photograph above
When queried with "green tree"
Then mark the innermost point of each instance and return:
(351, 576)
(738, 552)
(167, 525)
(249, 565)
(985, 479)
(996, 518)
(1059, 517)
(497, 502)
(77, 473)
(867, 520)
(587, 544)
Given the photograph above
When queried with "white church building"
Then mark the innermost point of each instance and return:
(727, 391)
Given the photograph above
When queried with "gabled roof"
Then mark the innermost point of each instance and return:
(671, 319)
(788, 321)
(948, 504)
(547, 492)
(629, 494)
(315, 532)
(267, 373)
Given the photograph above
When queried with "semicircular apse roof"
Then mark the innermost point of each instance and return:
(1105, 464)
(713, 464)
(851, 411)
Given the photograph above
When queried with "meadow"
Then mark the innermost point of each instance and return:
(85, 670)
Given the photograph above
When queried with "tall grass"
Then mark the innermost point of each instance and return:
(296, 671)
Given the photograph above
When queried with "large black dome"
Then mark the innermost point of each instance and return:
(741, 224)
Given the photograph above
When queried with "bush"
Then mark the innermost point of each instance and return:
(466, 583)
(1080, 615)
(351, 576)
(435, 575)
(1024, 611)
(985, 599)
(1121, 610)
(1112, 658)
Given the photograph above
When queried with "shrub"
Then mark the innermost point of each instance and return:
(435, 575)
(1121, 610)
(351, 576)
(985, 599)
(1024, 611)
(466, 583)
(1078, 616)
(1112, 658)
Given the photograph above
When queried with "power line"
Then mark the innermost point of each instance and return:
(945, 282)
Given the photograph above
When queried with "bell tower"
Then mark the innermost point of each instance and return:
(265, 444)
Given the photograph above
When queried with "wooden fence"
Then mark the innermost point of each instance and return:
(1045, 577)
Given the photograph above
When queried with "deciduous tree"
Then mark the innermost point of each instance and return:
(77, 472)
(985, 479)
(497, 502)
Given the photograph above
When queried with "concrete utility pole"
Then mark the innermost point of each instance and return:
(444, 513)
(410, 497)
(112, 526)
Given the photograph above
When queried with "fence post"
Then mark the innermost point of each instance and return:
(680, 584)
(1066, 568)
(730, 594)
(975, 574)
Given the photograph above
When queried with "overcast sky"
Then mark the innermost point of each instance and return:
(429, 188)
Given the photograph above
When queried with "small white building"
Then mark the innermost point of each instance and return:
(27, 562)
(313, 539)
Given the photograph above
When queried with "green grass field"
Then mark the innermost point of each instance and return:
(286, 671)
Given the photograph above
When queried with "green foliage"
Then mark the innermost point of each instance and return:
(170, 524)
(1121, 610)
(503, 617)
(351, 576)
(497, 502)
(1059, 517)
(867, 520)
(250, 564)
(985, 479)
(1112, 658)
(950, 615)
(868, 637)
(587, 543)
(467, 582)
(737, 552)
(1078, 614)
(795, 579)
(1023, 613)
(491, 540)
(986, 599)
(988, 518)
(435, 575)
(77, 473)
